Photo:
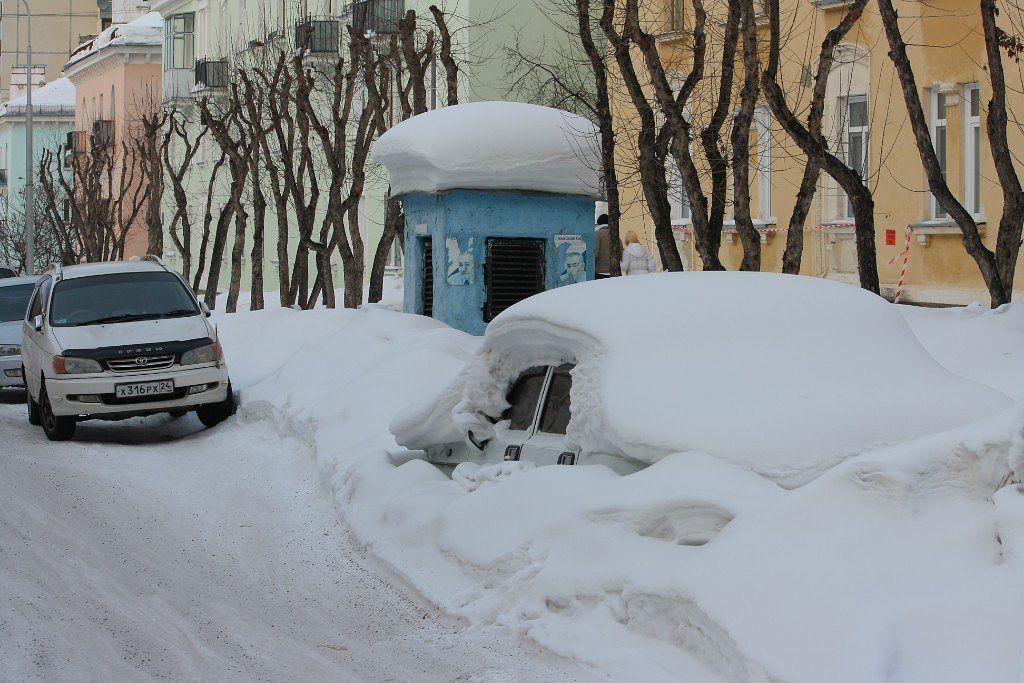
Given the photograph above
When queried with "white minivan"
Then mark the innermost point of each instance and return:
(120, 339)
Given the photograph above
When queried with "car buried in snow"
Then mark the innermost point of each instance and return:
(784, 375)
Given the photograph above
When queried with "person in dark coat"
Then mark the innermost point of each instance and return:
(602, 251)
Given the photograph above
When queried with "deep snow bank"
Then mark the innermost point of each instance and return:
(900, 564)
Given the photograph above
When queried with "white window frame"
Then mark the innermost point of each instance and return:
(180, 46)
(939, 125)
(679, 200)
(763, 123)
(848, 132)
(677, 18)
(972, 150)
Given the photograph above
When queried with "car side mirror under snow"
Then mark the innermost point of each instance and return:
(37, 323)
(205, 309)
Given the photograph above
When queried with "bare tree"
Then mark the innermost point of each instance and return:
(223, 120)
(148, 151)
(179, 134)
(408, 66)
(749, 237)
(997, 269)
(814, 145)
(49, 222)
(652, 139)
(108, 189)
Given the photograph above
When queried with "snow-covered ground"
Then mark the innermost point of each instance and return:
(152, 549)
(904, 563)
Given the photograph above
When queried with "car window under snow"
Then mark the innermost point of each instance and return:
(555, 417)
(523, 397)
(120, 297)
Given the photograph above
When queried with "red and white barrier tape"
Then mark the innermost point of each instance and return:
(905, 254)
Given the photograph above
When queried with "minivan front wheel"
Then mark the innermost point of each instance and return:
(56, 427)
(214, 413)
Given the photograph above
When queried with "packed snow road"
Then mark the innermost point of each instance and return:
(152, 548)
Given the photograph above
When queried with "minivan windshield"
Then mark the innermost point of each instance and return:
(14, 301)
(118, 298)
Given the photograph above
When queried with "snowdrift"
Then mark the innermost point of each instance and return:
(900, 564)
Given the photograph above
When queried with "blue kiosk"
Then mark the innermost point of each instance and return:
(499, 205)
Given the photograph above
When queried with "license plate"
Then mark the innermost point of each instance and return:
(144, 389)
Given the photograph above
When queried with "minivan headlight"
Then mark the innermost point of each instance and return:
(70, 365)
(10, 350)
(204, 354)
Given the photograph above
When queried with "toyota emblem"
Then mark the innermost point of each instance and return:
(141, 360)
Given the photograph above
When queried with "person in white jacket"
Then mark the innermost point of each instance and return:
(636, 259)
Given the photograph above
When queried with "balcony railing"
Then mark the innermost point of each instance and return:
(102, 133)
(212, 73)
(318, 36)
(379, 16)
(40, 109)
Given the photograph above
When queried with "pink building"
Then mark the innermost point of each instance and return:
(117, 76)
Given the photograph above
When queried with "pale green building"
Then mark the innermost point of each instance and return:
(204, 37)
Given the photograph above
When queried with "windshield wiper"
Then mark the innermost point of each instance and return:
(121, 318)
(178, 312)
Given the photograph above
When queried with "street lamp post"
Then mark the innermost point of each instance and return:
(30, 206)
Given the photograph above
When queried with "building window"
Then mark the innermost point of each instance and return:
(179, 41)
(972, 148)
(677, 197)
(939, 142)
(763, 123)
(675, 22)
(855, 138)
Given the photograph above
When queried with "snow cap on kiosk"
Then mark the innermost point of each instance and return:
(492, 146)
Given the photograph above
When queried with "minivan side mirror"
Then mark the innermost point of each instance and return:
(205, 309)
(37, 323)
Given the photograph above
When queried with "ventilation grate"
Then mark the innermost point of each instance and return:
(427, 295)
(514, 271)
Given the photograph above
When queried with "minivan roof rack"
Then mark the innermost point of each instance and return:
(149, 257)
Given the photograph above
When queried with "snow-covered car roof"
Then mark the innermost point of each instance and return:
(784, 374)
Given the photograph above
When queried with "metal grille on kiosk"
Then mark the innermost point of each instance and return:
(513, 271)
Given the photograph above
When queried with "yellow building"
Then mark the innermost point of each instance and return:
(866, 123)
(58, 26)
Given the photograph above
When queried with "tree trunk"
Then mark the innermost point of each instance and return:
(1008, 241)
(847, 178)
(985, 259)
(652, 166)
(749, 237)
(237, 253)
(394, 222)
